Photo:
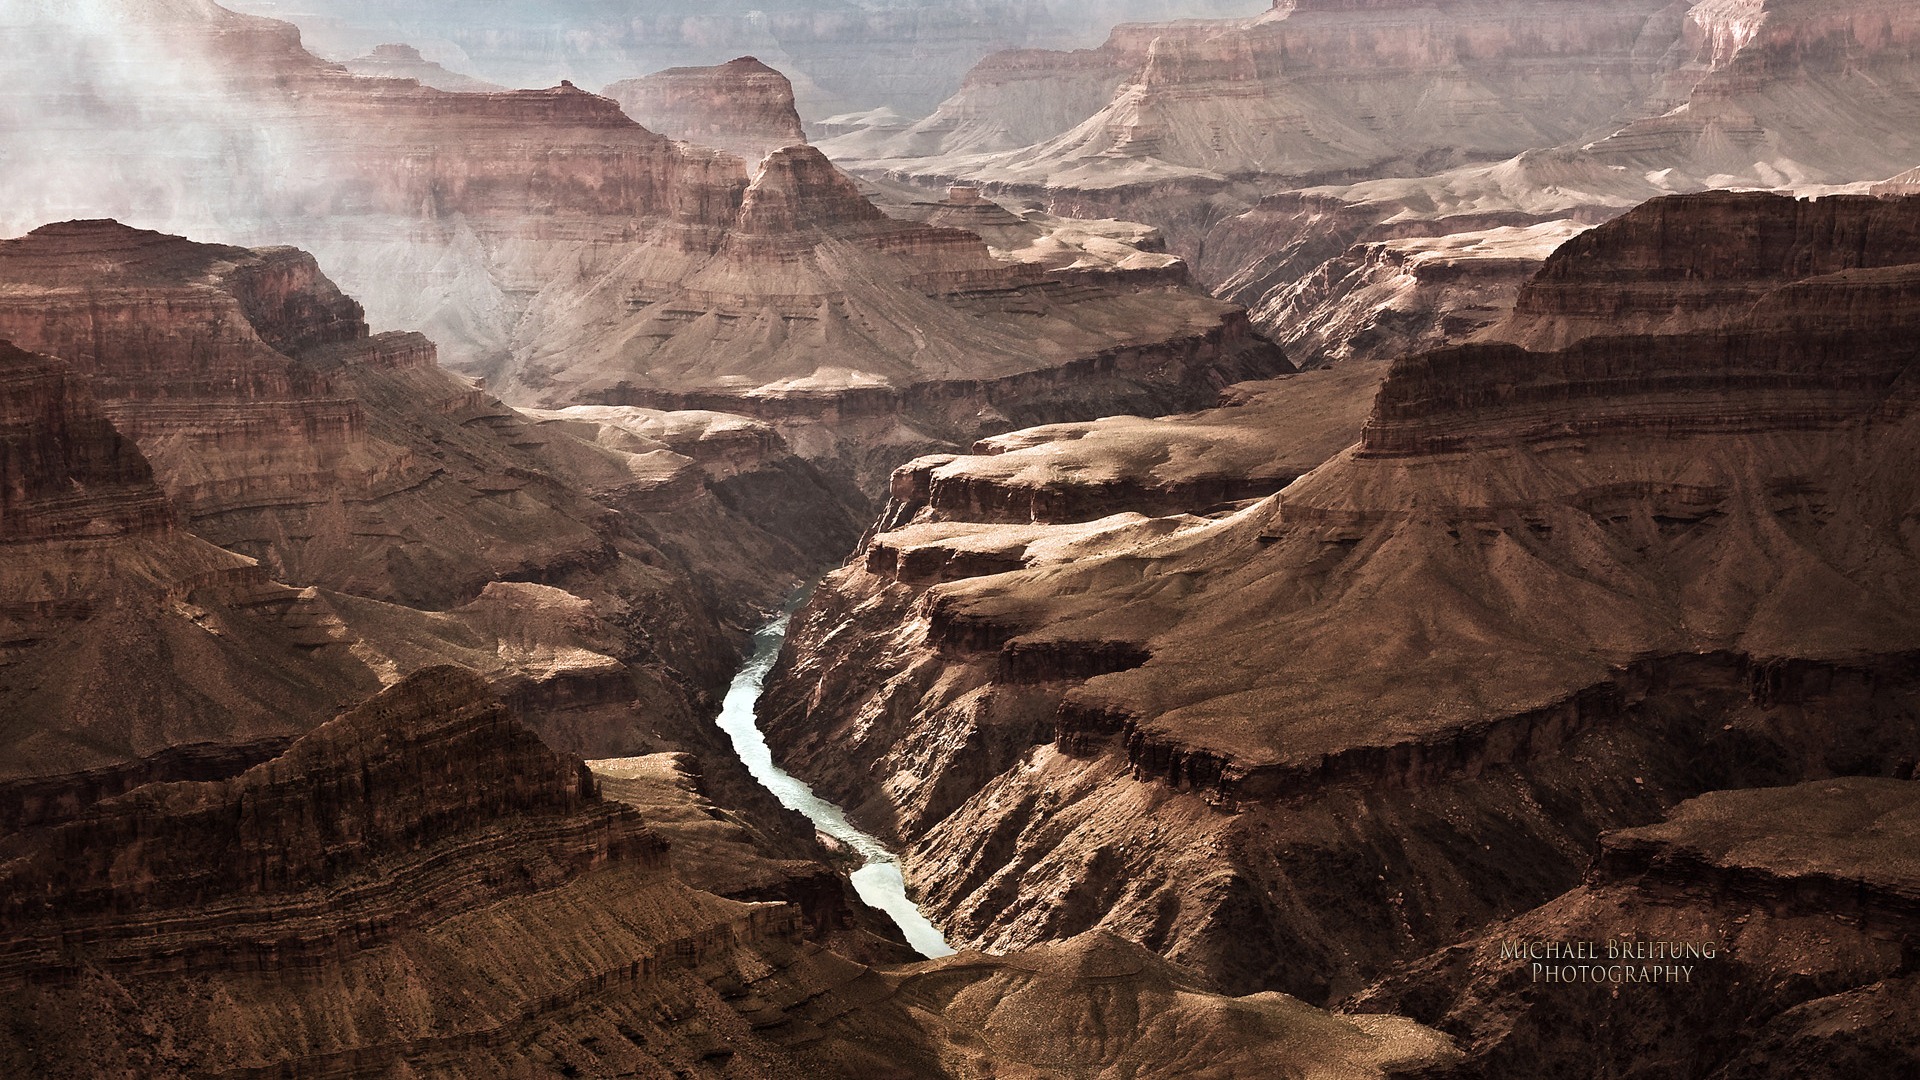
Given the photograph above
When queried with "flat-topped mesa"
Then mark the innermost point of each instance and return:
(65, 472)
(1695, 262)
(1331, 90)
(1792, 314)
(743, 106)
(183, 320)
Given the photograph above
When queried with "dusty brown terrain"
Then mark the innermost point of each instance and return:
(548, 243)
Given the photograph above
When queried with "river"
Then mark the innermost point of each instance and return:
(878, 881)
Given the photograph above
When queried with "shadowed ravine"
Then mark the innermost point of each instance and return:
(878, 881)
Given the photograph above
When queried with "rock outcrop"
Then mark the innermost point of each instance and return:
(133, 649)
(1543, 595)
(282, 430)
(905, 53)
(742, 106)
(1779, 922)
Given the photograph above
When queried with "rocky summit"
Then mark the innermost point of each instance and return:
(1158, 539)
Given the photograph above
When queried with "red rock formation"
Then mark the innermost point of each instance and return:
(130, 643)
(743, 106)
(65, 473)
(1667, 267)
(568, 254)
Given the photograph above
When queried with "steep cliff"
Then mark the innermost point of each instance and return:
(282, 430)
(1292, 157)
(132, 648)
(907, 53)
(1544, 594)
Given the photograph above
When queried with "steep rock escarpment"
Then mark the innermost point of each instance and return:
(1543, 596)
(906, 53)
(1787, 915)
(420, 884)
(887, 337)
(1280, 153)
(742, 106)
(1665, 270)
(1309, 90)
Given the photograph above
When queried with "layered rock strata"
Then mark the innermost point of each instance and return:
(282, 430)
(1541, 596)
(906, 53)
(1289, 156)
(394, 61)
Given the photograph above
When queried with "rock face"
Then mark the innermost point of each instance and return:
(1378, 670)
(1791, 906)
(742, 106)
(128, 640)
(1308, 90)
(393, 518)
(1662, 269)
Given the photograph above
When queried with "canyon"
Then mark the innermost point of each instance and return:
(1274, 539)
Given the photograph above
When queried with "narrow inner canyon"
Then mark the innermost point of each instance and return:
(878, 881)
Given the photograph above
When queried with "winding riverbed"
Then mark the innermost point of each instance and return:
(878, 881)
